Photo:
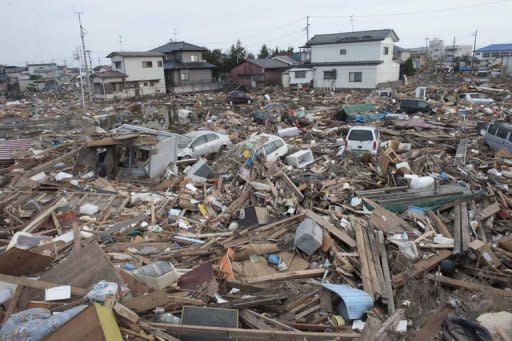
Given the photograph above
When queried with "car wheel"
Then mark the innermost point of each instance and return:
(249, 101)
(223, 148)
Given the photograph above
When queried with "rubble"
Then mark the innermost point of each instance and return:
(137, 244)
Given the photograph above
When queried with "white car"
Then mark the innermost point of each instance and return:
(271, 146)
(475, 98)
(201, 142)
(363, 139)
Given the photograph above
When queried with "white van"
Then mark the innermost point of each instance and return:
(363, 139)
(499, 136)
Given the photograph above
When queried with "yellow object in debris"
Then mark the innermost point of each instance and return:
(246, 154)
(203, 210)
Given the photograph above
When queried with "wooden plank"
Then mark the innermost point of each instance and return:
(13, 303)
(148, 302)
(19, 262)
(253, 334)
(489, 211)
(457, 231)
(307, 311)
(126, 312)
(464, 226)
(432, 327)
(41, 218)
(361, 249)
(290, 184)
(286, 276)
(39, 284)
(385, 272)
(269, 321)
(457, 283)
(441, 227)
(421, 267)
(326, 225)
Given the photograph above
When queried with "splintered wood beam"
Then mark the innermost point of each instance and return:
(286, 276)
(457, 283)
(252, 334)
(38, 284)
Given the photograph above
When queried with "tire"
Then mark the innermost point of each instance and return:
(223, 148)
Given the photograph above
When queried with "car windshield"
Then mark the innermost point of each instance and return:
(275, 106)
(482, 96)
(360, 135)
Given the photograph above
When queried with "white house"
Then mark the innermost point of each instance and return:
(347, 60)
(133, 74)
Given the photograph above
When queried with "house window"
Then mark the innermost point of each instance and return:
(485, 55)
(184, 76)
(194, 59)
(152, 83)
(300, 74)
(355, 77)
(160, 63)
(386, 50)
(117, 65)
(147, 64)
(330, 74)
(343, 52)
(145, 83)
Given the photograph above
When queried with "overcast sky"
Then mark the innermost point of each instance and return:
(47, 30)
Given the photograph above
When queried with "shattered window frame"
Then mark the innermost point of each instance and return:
(330, 75)
(117, 64)
(300, 74)
(355, 77)
(502, 132)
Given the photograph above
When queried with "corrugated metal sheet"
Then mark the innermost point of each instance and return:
(8, 147)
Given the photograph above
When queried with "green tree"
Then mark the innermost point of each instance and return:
(264, 52)
(217, 58)
(237, 54)
(408, 68)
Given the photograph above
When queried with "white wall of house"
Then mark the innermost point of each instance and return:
(354, 52)
(151, 79)
(308, 73)
(368, 77)
(191, 57)
(388, 72)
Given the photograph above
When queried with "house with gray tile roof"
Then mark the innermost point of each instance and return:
(185, 68)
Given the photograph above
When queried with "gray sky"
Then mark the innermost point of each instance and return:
(47, 30)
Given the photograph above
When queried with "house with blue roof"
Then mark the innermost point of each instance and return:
(494, 51)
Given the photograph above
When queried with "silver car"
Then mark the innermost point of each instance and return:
(475, 98)
(201, 142)
(499, 136)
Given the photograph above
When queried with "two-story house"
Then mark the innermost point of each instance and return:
(133, 74)
(185, 69)
(347, 60)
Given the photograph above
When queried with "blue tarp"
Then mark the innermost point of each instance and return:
(354, 302)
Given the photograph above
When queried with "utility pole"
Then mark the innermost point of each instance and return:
(121, 42)
(453, 52)
(473, 55)
(174, 34)
(307, 28)
(77, 57)
(426, 54)
(82, 34)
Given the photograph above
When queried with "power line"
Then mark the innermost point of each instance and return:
(411, 12)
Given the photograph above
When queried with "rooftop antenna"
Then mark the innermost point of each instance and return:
(174, 34)
(352, 22)
(121, 42)
(307, 28)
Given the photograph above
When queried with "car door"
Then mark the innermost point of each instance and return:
(212, 143)
(490, 137)
(199, 146)
(269, 149)
(503, 136)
